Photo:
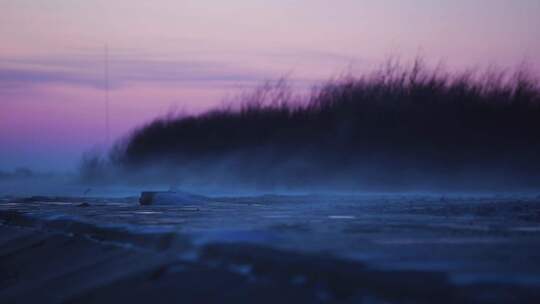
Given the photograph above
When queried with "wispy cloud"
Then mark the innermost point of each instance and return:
(89, 71)
(23, 77)
(128, 68)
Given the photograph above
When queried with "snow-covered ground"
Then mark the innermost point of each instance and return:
(471, 240)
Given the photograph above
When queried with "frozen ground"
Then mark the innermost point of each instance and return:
(326, 248)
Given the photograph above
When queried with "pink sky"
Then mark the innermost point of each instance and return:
(189, 55)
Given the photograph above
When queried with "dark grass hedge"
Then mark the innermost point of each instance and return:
(401, 127)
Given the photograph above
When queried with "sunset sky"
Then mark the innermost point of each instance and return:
(189, 56)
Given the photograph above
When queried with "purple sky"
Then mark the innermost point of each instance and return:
(190, 55)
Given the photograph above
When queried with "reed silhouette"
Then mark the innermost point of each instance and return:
(399, 127)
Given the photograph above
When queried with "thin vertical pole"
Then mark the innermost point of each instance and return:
(106, 71)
